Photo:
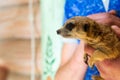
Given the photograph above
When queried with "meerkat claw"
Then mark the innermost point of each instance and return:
(86, 58)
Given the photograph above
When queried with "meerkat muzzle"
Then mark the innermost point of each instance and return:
(58, 31)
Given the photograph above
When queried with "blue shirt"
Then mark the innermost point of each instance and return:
(84, 8)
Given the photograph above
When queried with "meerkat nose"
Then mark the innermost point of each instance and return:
(58, 31)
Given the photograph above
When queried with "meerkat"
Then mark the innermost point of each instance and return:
(99, 36)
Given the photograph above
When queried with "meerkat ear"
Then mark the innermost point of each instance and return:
(70, 26)
(86, 27)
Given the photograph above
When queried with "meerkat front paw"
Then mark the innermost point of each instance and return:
(86, 58)
(91, 62)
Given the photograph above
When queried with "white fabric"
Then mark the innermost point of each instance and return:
(69, 40)
(106, 4)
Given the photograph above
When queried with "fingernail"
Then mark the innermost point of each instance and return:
(115, 27)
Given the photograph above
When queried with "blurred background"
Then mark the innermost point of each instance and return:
(29, 46)
(15, 39)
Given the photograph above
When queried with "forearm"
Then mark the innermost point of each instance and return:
(71, 71)
(74, 68)
(116, 21)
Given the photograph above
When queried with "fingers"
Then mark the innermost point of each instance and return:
(103, 18)
(113, 12)
(96, 16)
(116, 29)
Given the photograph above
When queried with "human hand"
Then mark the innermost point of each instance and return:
(109, 69)
(108, 18)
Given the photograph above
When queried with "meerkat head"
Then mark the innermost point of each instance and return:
(78, 27)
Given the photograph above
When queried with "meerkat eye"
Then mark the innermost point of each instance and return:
(86, 27)
(70, 26)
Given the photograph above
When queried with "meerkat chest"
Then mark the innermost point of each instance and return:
(97, 43)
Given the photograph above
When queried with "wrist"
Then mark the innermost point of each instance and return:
(78, 64)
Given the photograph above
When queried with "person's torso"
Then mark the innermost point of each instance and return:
(87, 7)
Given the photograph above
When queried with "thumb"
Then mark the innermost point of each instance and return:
(116, 29)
